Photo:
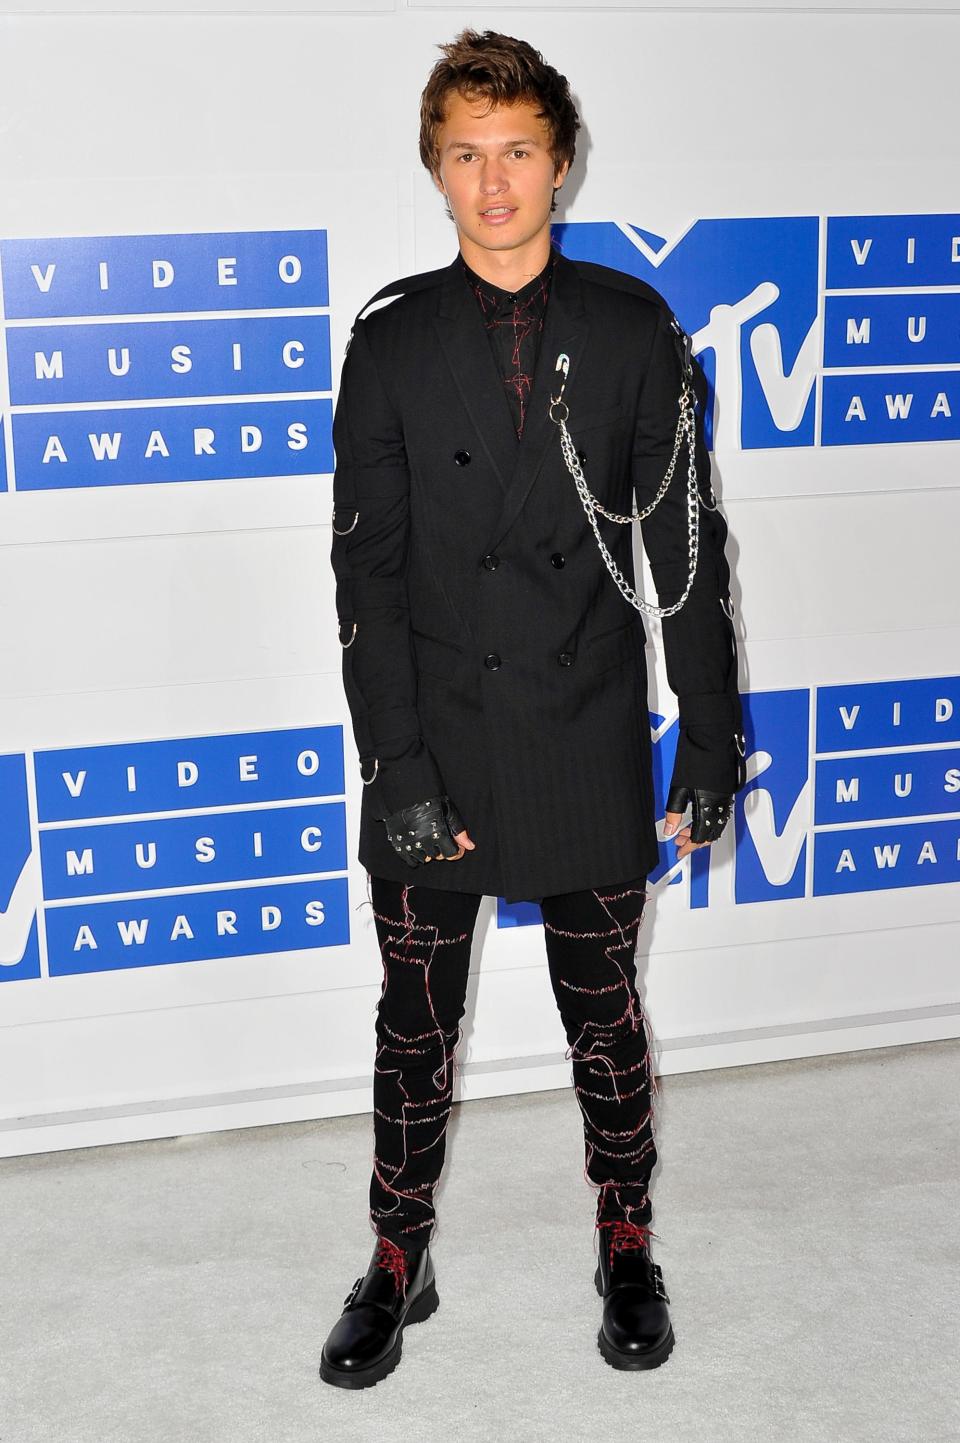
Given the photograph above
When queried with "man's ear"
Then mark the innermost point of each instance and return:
(561, 175)
(435, 175)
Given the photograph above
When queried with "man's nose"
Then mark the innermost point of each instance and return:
(493, 179)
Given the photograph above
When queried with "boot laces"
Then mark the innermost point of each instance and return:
(625, 1236)
(392, 1258)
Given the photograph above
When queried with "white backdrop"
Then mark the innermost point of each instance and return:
(198, 612)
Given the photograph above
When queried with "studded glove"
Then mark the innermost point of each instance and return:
(425, 830)
(711, 811)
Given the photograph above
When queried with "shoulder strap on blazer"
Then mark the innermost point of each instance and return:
(405, 286)
(419, 282)
(621, 281)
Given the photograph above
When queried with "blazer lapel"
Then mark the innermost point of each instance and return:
(470, 357)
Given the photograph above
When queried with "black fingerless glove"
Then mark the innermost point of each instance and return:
(425, 829)
(711, 811)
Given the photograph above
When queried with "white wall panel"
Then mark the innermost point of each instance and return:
(136, 614)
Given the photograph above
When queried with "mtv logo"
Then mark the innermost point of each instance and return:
(746, 291)
(774, 810)
(19, 876)
(766, 848)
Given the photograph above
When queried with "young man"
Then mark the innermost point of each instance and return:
(496, 674)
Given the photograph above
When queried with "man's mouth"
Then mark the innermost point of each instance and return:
(495, 212)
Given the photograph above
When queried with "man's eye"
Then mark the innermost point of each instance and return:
(521, 152)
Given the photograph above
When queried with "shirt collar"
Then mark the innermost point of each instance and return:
(497, 298)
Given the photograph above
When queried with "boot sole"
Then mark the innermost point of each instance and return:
(633, 1361)
(421, 1308)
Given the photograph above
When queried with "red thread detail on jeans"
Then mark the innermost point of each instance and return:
(405, 938)
(625, 1208)
(594, 991)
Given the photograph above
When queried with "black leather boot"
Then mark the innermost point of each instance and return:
(364, 1344)
(636, 1331)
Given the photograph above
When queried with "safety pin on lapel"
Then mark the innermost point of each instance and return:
(563, 364)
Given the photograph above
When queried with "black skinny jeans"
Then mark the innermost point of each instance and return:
(425, 936)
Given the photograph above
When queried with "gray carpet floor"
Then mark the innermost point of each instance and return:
(808, 1224)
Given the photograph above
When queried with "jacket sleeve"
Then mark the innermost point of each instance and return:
(371, 523)
(700, 646)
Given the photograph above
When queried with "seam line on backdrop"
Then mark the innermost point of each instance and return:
(936, 1009)
(162, 1106)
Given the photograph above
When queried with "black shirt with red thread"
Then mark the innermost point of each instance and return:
(514, 322)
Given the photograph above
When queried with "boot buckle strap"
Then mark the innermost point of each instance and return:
(659, 1290)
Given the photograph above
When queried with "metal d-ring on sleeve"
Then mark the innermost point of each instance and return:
(356, 518)
(376, 767)
(353, 635)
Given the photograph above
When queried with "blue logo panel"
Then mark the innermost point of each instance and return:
(873, 859)
(110, 858)
(903, 784)
(160, 274)
(134, 778)
(865, 716)
(138, 445)
(887, 717)
(891, 330)
(152, 360)
(199, 355)
(870, 251)
(19, 947)
(891, 406)
(101, 835)
(196, 926)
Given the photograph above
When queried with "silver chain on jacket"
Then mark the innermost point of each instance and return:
(686, 423)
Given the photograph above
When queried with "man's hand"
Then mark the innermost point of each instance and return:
(711, 811)
(428, 830)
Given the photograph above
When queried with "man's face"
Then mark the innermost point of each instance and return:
(496, 171)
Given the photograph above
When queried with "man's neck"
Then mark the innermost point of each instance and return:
(511, 270)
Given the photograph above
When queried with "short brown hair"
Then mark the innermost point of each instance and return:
(505, 71)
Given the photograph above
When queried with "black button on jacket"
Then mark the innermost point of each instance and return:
(532, 752)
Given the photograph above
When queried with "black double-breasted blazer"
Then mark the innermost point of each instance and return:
(487, 652)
